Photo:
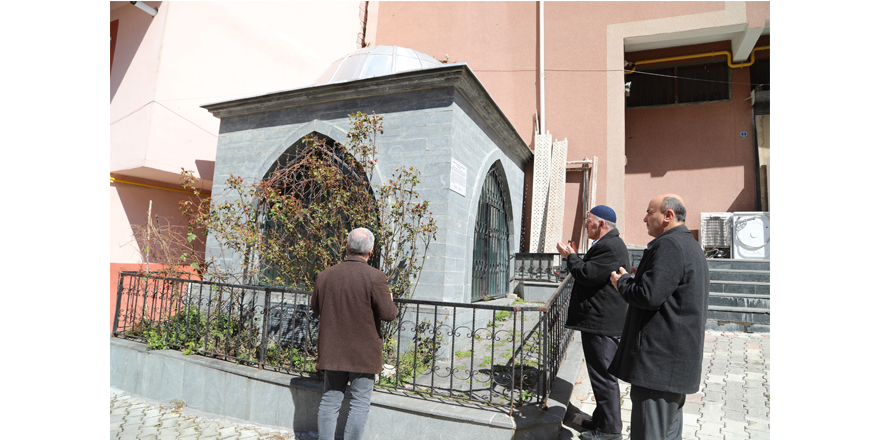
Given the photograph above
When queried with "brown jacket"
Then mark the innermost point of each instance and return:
(351, 297)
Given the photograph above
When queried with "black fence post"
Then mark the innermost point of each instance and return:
(263, 337)
(118, 303)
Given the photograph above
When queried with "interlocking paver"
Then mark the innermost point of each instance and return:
(142, 419)
(734, 435)
(733, 400)
(758, 426)
(760, 436)
(151, 421)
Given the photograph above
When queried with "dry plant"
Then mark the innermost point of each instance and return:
(170, 249)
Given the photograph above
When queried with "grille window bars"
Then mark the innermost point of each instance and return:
(491, 241)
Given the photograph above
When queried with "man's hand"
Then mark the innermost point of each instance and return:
(616, 276)
(563, 249)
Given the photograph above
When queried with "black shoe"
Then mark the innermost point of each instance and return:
(589, 425)
(595, 434)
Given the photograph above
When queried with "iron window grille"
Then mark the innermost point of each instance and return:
(295, 182)
(491, 240)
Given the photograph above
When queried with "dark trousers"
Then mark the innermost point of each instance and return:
(656, 415)
(599, 351)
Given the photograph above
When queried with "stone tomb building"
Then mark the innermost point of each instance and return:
(438, 119)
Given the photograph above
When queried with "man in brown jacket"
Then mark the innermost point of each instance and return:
(350, 297)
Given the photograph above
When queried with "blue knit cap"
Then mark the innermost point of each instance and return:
(605, 213)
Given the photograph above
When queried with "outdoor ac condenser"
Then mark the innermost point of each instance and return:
(751, 235)
(715, 233)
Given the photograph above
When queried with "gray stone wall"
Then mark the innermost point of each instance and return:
(424, 129)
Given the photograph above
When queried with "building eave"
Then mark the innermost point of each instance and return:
(458, 75)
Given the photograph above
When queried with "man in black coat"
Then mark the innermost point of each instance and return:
(598, 311)
(661, 351)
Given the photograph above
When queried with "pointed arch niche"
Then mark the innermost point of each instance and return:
(289, 174)
(492, 237)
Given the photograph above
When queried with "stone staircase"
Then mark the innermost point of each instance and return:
(739, 295)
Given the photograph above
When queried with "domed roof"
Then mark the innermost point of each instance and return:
(376, 61)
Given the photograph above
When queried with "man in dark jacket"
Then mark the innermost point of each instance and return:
(598, 311)
(661, 351)
(351, 298)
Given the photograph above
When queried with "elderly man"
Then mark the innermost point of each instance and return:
(598, 311)
(351, 297)
(661, 351)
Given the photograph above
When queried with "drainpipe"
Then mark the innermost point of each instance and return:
(542, 122)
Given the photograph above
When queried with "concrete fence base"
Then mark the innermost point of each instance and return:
(291, 402)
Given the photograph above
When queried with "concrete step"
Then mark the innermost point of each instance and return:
(729, 263)
(746, 327)
(746, 300)
(762, 276)
(739, 315)
(750, 287)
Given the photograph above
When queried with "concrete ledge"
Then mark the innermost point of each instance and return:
(536, 291)
(291, 402)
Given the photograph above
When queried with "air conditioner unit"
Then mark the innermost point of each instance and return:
(751, 235)
(715, 233)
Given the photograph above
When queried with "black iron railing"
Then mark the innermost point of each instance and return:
(504, 356)
(267, 327)
(535, 266)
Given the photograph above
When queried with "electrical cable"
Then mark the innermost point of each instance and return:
(166, 107)
(559, 69)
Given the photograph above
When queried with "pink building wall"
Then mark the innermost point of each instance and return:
(584, 56)
(193, 53)
(694, 150)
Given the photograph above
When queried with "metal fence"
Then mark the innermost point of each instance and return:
(551, 267)
(505, 356)
(539, 266)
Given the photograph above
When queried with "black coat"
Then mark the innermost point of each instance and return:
(595, 306)
(662, 344)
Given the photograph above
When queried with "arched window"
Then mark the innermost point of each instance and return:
(315, 208)
(491, 238)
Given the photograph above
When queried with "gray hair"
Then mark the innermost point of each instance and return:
(360, 241)
(610, 225)
(676, 206)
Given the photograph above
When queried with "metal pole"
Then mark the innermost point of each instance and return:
(543, 119)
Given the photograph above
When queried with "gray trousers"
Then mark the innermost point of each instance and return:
(656, 415)
(335, 383)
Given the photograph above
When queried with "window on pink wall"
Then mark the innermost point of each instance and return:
(114, 26)
(688, 83)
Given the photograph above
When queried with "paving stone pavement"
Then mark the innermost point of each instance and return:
(135, 417)
(733, 402)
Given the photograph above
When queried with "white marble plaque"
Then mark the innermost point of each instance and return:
(458, 177)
